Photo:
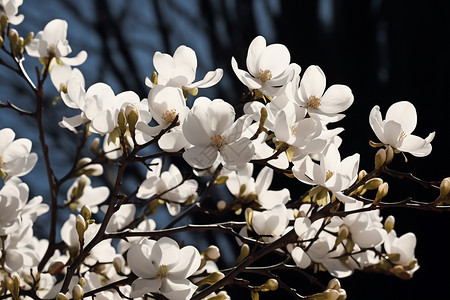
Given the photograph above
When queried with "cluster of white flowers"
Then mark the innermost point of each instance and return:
(283, 127)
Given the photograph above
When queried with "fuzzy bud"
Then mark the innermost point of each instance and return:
(13, 285)
(86, 212)
(132, 115)
(373, 183)
(245, 251)
(444, 188)
(270, 285)
(122, 122)
(56, 267)
(211, 278)
(380, 158)
(389, 154)
(80, 226)
(342, 235)
(389, 223)
(77, 292)
(28, 39)
(13, 36)
(212, 253)
(61, 296)
(94, 145)
(381, 193)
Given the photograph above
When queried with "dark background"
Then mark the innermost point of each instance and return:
(385, 51)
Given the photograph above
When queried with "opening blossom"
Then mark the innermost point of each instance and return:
(163, 267)
(52, 43)
(269, 67)
(211, 129)
(15, 156)
(11, 8)
(396, 129)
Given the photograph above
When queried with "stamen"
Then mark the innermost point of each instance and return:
(169, 115)
(314, 102)
(292, 130)
(217, 141)
(402, 136)
(163, 271)
(264, 75)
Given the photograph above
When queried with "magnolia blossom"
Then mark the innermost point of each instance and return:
(179, 71)
(396, 129)
(168, 185)
(13, 197)
(121, 218)
(163, 267)
(326, 104)
(404, 246)
(52, 42)
(15, 156)
(271, 223)
(211, 129)
(258, 189)
(11, 8)
(269, 67)
(332, 173)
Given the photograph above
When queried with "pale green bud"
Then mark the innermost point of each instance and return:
(245, 251)
(80, 226)
(132, 114)
(13, 285)
(254, 295)
(444, 188)
(13, 36)
(381, 193)
(389, 223)
(221, 180)
(249, 217)
(3, 22)
(342, 235)
(262, 119)
(380, 158)
(154, 78)
(1, 42)
(361, 174)
(94, 145)
(329, 294)
(86, 212)
(373, 183)
(28, 39)
(389, 154)
(122, 121)
(270, 285)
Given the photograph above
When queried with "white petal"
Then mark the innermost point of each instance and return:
(177, 289)
(75, 61)
(376, 122)
(139, 259)
(313, 83)
(245, 77)
(392, 133)
(337, 98)
(300, 257)
(189, 263)
(255, 49)
(210, 79)
(238, 153)
(405, 114)
(274, 58)
(170, 252)
(264, 180)
(200, 156)
(173, 141)
(142, 286)
(164, 64)
(416, 145)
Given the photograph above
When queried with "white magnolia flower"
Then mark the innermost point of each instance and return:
(211, 129)
(326, 104)
(271, 223)
(13, 197)
(163, 267)
(121, 218)
(258, 188)
(11, 8)
(179, 70)
(15, 156)
(332, 173)
(52, 42)
(144, 226)
(396, 129)
(269, 67)
(404, 246)
(169, 185)
(82, 193)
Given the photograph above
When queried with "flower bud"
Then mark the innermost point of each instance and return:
(361, 174)
(122, 122)
(154, 78)
(211, 278)
(389, 154)
(270, 285)
(3, 22)
(1, 42)
(373, 183)
(132, 115)
(221, 180)
(381, 193)
(28, 39)
(389, 223)
(380, 158)
(13, 36)
(94, 145)
(212, 253)
(221, 205)
(61, 296)
(56, 267)
(119, 264)
(334, 284)
(444, 188)
(262, 119)
(342, 235)
(254, 295)
(222, 295)
(77, 292)
(249, 217)
(329, 294)
(245, 251)
(86, 212)
(13, 285)
(80, 226)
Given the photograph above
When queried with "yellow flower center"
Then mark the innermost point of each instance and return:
(169, 115)
(163, 271)
(292, 130)
(264, 75)
(217, 141)
(314, 102)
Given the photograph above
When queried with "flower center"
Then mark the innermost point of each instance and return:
(169, 115)
(292, 130)
(314, 102)
(217, 141)
(328, 175)
(163, 271)
(264, 75)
